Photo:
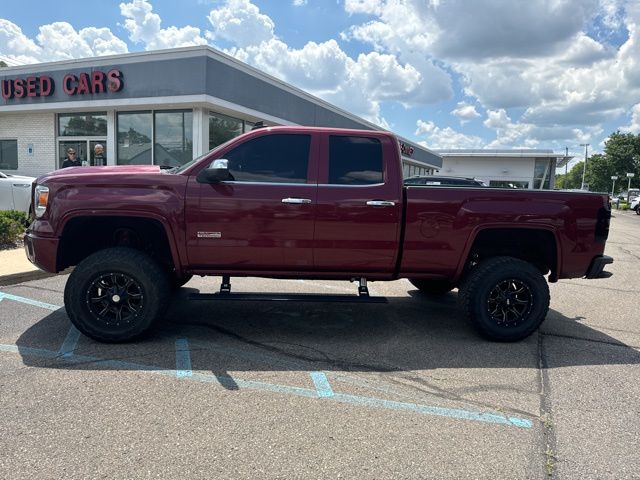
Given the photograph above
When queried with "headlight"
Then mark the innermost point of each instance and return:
(40, 200)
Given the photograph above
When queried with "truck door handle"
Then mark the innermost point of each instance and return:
(380, 203)
(296, 201)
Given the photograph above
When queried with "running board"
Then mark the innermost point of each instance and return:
(287, 297)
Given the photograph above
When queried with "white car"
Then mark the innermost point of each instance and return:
(15, 192)
(635, 203)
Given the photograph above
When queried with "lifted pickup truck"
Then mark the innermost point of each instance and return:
(306, 203)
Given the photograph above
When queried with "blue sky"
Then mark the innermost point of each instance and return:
(445, 73)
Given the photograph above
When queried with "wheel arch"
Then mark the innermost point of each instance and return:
(537, 244)
(83, 233)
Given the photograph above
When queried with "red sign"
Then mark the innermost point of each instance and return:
(85, 83)
(406, 149)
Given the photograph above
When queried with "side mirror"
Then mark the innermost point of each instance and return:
(217, 172)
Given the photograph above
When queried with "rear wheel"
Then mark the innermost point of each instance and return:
(505, 298)
(116, 294)
(432, 287)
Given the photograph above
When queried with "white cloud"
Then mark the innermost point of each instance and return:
(57, 41)
(445, 138)
(634, 126)
(535, 56)
(299, 3)
(240, 22)
(144, 26)
(465, 112)
(358, 85)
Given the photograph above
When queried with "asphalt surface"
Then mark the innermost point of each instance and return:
(327, 390)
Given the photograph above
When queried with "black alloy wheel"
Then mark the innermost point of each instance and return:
(115, 298)
(509, 302)
(505, 298)
(116, 294)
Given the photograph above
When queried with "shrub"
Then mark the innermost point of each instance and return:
(12, 226)
(16, 216)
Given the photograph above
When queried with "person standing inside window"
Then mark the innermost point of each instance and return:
(99, 159)
(71, 160)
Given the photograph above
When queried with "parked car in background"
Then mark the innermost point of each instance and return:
(15, 192)
(635, 204)
(443, 181)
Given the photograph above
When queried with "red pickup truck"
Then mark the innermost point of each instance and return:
(306, 203)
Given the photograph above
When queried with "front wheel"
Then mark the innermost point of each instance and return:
(116, 294)
(638, 210)
(505, 298)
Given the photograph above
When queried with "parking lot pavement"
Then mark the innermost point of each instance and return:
(324, 390)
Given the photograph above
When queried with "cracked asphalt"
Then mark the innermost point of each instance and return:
(327, 390)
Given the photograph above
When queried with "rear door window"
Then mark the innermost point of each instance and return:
(355, 160)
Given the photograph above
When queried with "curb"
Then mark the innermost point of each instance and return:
(20, 277)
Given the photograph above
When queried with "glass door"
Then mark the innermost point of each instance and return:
(85, 151)
(97, 158)
(80, 146)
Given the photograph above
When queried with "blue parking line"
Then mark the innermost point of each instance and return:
(70, 342)
(29, 301)
(357, 400)
(323, 387)
(183, 359)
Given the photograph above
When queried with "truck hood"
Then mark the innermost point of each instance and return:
(73, 172)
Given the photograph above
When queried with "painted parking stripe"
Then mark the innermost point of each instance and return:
(29, 301)
(323, 387)
(183, 359)
(70, 342)
(459, 414)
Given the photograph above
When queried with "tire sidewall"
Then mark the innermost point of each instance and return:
(152, 282)
(516, 270)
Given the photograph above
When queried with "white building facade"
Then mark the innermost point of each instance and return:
(526, 169)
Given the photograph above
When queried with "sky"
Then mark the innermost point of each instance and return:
(447, 74)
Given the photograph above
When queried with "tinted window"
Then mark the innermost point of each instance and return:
(8, 154)
(271, 158)
(355, 160)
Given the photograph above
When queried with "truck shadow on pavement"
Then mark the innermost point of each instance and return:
(407, 334)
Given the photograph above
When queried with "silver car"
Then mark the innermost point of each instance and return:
(15, 192)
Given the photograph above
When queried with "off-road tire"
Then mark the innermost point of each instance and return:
(111, 279)
(432, 287)
(504, 284)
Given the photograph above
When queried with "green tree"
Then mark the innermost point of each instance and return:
(3, 64)
(621, 156)
(573, 178)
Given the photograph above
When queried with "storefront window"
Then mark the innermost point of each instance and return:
(8, 155)
(82, 124)
(134, 138)
(173, 138)
(542, 173)
(223, 128)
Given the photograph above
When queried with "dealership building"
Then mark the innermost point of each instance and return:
(164, 108)
(532, 169)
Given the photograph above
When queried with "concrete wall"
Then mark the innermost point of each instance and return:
(31, 128)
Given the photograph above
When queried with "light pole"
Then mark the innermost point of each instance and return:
(584, 169)
(630, 176)
(613, 188)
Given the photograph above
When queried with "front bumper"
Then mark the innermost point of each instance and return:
(596, 270)
(42, 252)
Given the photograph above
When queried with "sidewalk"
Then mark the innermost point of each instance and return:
(16, 268)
